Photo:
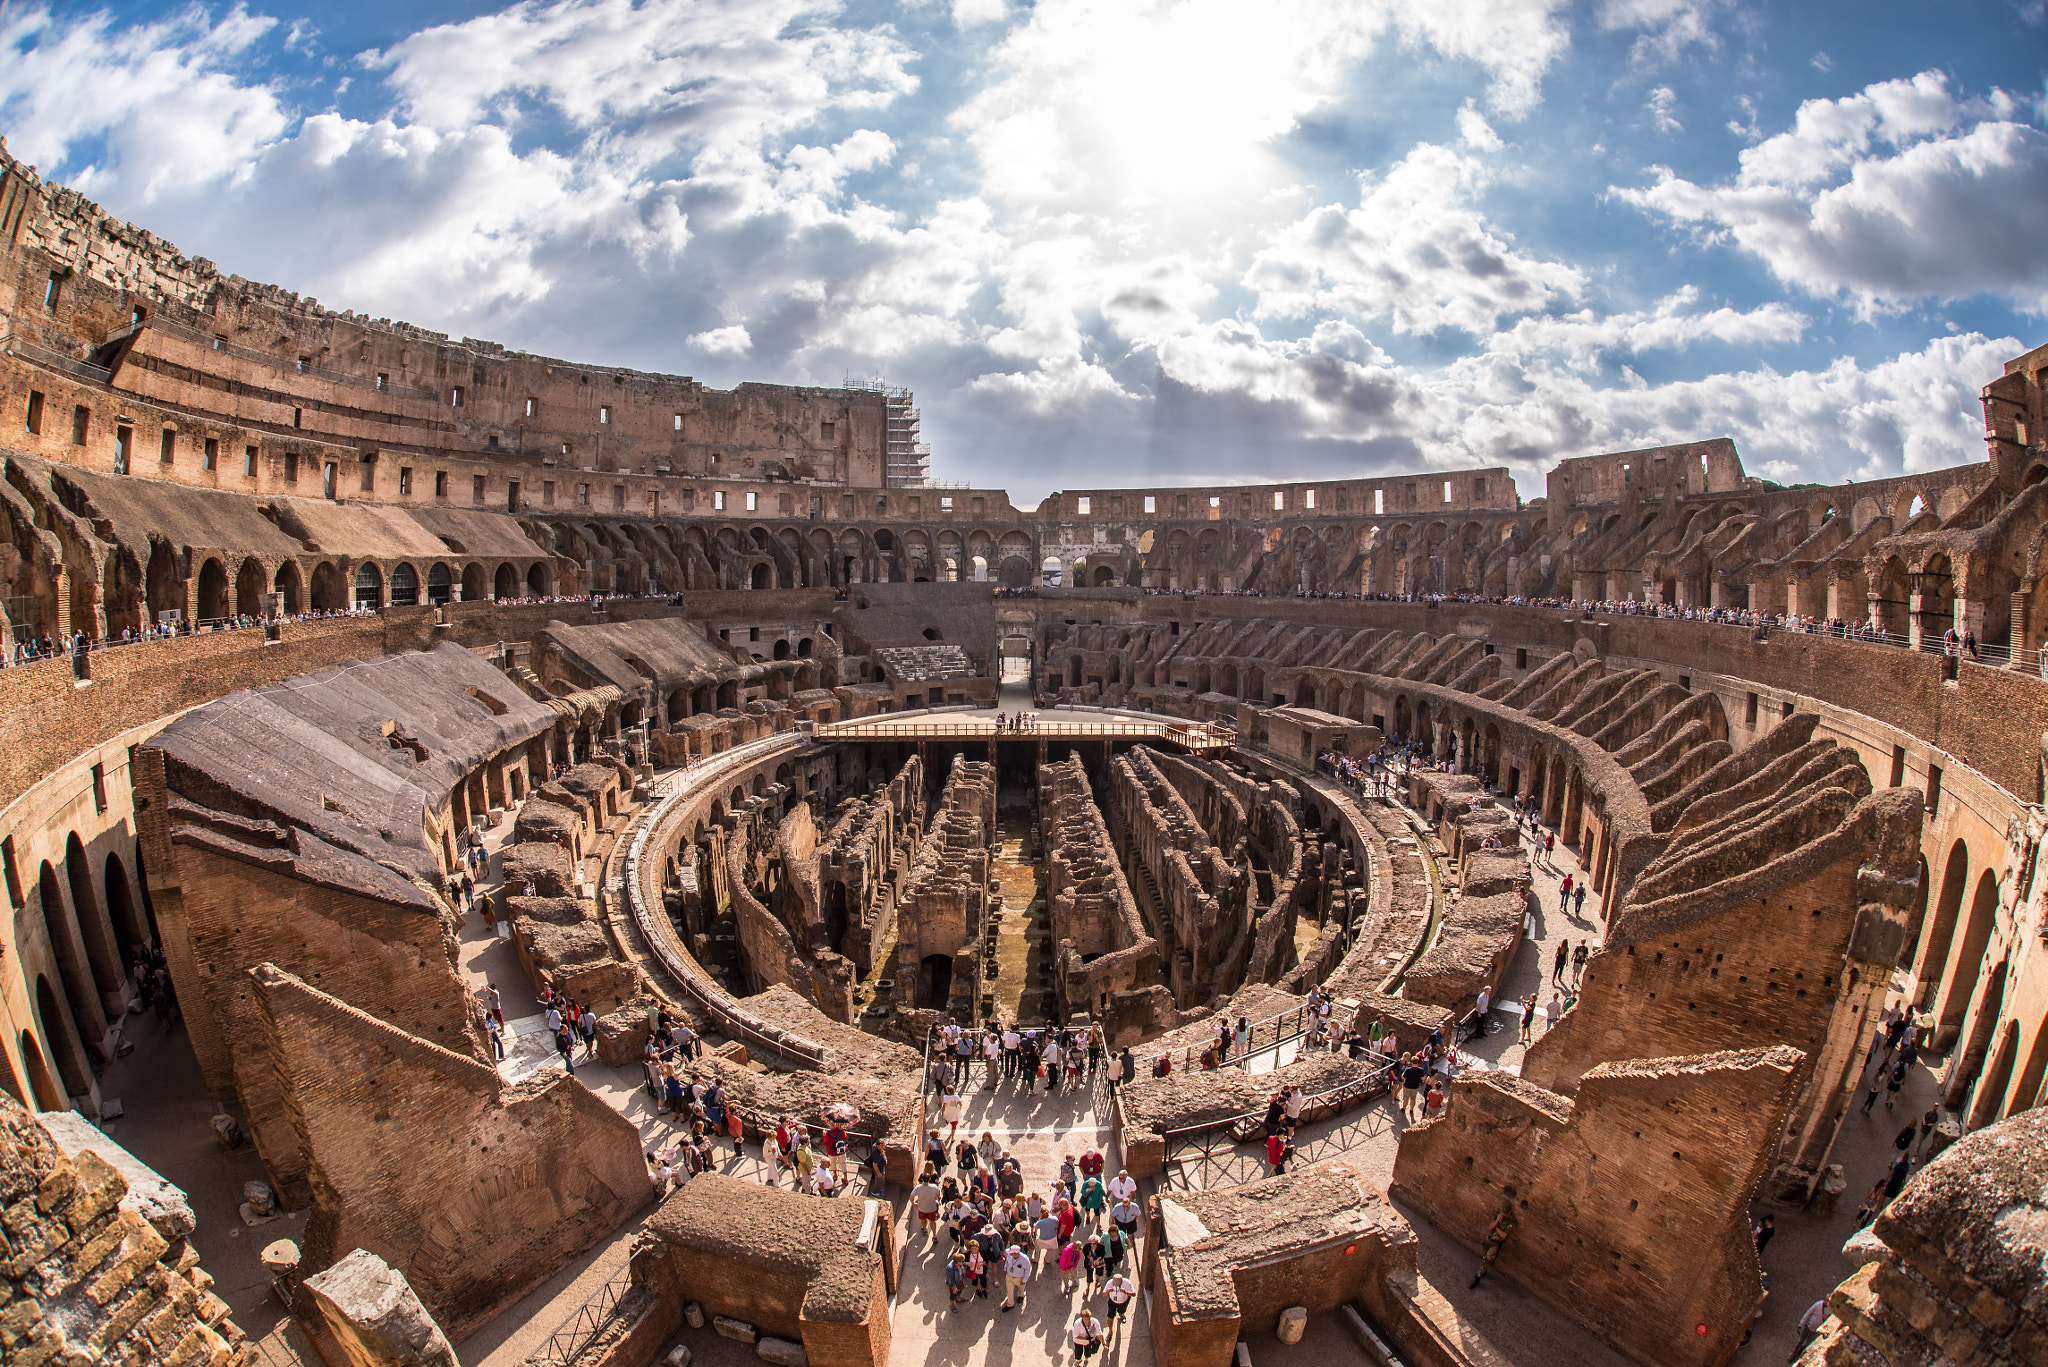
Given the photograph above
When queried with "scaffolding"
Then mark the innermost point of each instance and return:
(906, 461)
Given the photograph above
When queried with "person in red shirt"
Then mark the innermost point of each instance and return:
(1091, 1164)
(1277, 1151)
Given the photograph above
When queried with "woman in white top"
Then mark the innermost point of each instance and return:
(771, 1158)
(951, 1108)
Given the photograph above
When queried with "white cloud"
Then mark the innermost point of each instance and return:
(968, 13)
(1663, 100)
(1475, 130)
(1668, 27)
(1413, 251)
(1581, 339)
(726, 341)
(1900, 192)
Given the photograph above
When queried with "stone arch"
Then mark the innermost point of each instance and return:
(472, 582)
(1990, 1098)
(49, 1095)
(212, 604)
(74, 969)
(2026, 1093)
(130, 924)
(369, 585)
(536, 580)
(1968, 964)
(505, 584)
(1940, 930)
(405, 585)
(287, 586)
(249, 588)
(761, 576)
(72, 1069)
(439, 584)
(329, 593)
(102, 951)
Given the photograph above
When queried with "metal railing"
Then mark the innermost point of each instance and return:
(1195, 736)
(585, 1324)
(1188, 1142)
(1286, 1025)
(43, 356)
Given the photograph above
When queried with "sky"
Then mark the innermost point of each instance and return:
(1134, 242)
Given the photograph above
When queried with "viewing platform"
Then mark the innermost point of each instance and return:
(1064, 724)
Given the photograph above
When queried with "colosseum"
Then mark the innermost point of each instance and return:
(477, 824)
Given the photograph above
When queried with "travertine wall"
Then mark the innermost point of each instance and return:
(1631, 1201)
(475, 1190)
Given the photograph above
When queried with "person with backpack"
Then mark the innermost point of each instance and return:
(1087, 1335)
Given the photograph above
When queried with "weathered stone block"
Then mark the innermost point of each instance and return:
(737, 1330)
(782, 1353)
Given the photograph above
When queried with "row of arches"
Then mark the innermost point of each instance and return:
(371, 584)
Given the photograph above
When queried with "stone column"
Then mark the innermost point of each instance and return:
(375, 1316)
(2017, 633)
(1913, 605)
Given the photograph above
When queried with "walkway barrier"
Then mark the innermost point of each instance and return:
(586, 1324)
(1193, 1144)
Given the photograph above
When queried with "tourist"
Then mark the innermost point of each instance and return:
(989, 1150)
(1558, 962)
(1411, 1083)
(1045, 1229)
(1095, 1047)
(1119, 1291)
(824, 1182)
(934, 1151)
(1124, 1215)
(1579, 956)
(771, 1158)
(1277, 1150)
(991, 1051)
(877, 1163)
(1552, 1009)
(1127, 1067)
(1579, 900)
(497, 1034)
(1069, 1257)
(806, 1161)
(1093, 1198)
(565, 1045)
(1894, 1080)
(1763, 1233)
(977, 1268)
(957, 1278)
(1087, 1335)
(1528, 1005)
(835, 1142)
(1873, 1202)
(1016, 1272)
(924, 1197)
(1809, 1327)
(1292, 1101)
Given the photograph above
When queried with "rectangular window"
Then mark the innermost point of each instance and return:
(945, 503)
(511, 495)
(1151, 503)
(440, 484)
(298, 417)
(916, 505)
(1447, 491)
(249, 462)
(220, 343)
(1521, 657)
(785, 504)
(824, 431)
(209, 453)
(167, 446)
(35, 413)
(604, 413)
(80, 419)
(1311, 497)
(1215, 500)
(383, 381)
(455, 397)
(881, 506)
(52, 290)
(1933, 789)
(1279, 501)
(476, 489)
(291, 467)
(753, 501)
(1479, 486)
(1898, 766)
(583, 495)
(405, 481)
(1081, 505)
(679, 422)
(547, 493)
(99, 788)
(532, 406)
(1749, 710)
(718, 500)
(305, 364)
(369, 480)
(124, 440)
(1379, 501)
(13, 871)
(618, 498)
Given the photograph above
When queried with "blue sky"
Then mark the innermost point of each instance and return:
(1139, 241)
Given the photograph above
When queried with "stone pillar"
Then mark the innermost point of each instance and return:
(1913, 604)
(2017, 633)
(60, 584)
(373, 1314)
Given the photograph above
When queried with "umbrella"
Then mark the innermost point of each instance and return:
(839, 1112)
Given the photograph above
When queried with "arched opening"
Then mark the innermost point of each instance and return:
(803, 648)
(2027, 1095)
(1049, 572)
(1934, 941)
(536, 581)
(49, 1096)
(1014, 572)
(472, 582)
(935, 981)
(1968, 963)
(439, 583)
(761, 577)
(980, 563)
(1991, 1091)
(249, 588)
(405, 585)
(62, 929)
(213, 592)
(505, 584)
(2035, 474)
(109, 971)
(369, 586)
(329, 593)
(12, 1082)
(71, 1069)
(286, 586)
(781, 651)
(129, 929)
(1102, 577)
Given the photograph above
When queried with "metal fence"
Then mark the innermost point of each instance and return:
(1194, 1145)
(585, 1324)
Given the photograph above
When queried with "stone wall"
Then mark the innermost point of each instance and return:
(942, 912)
(475, 1190)
(1630, 1202)
(1105, 952)
(90, 1281)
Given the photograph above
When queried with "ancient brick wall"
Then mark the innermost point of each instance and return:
(1105, 951)
(1631, 1202)
(88, 1281)
(942, 912)
(476, 1191)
